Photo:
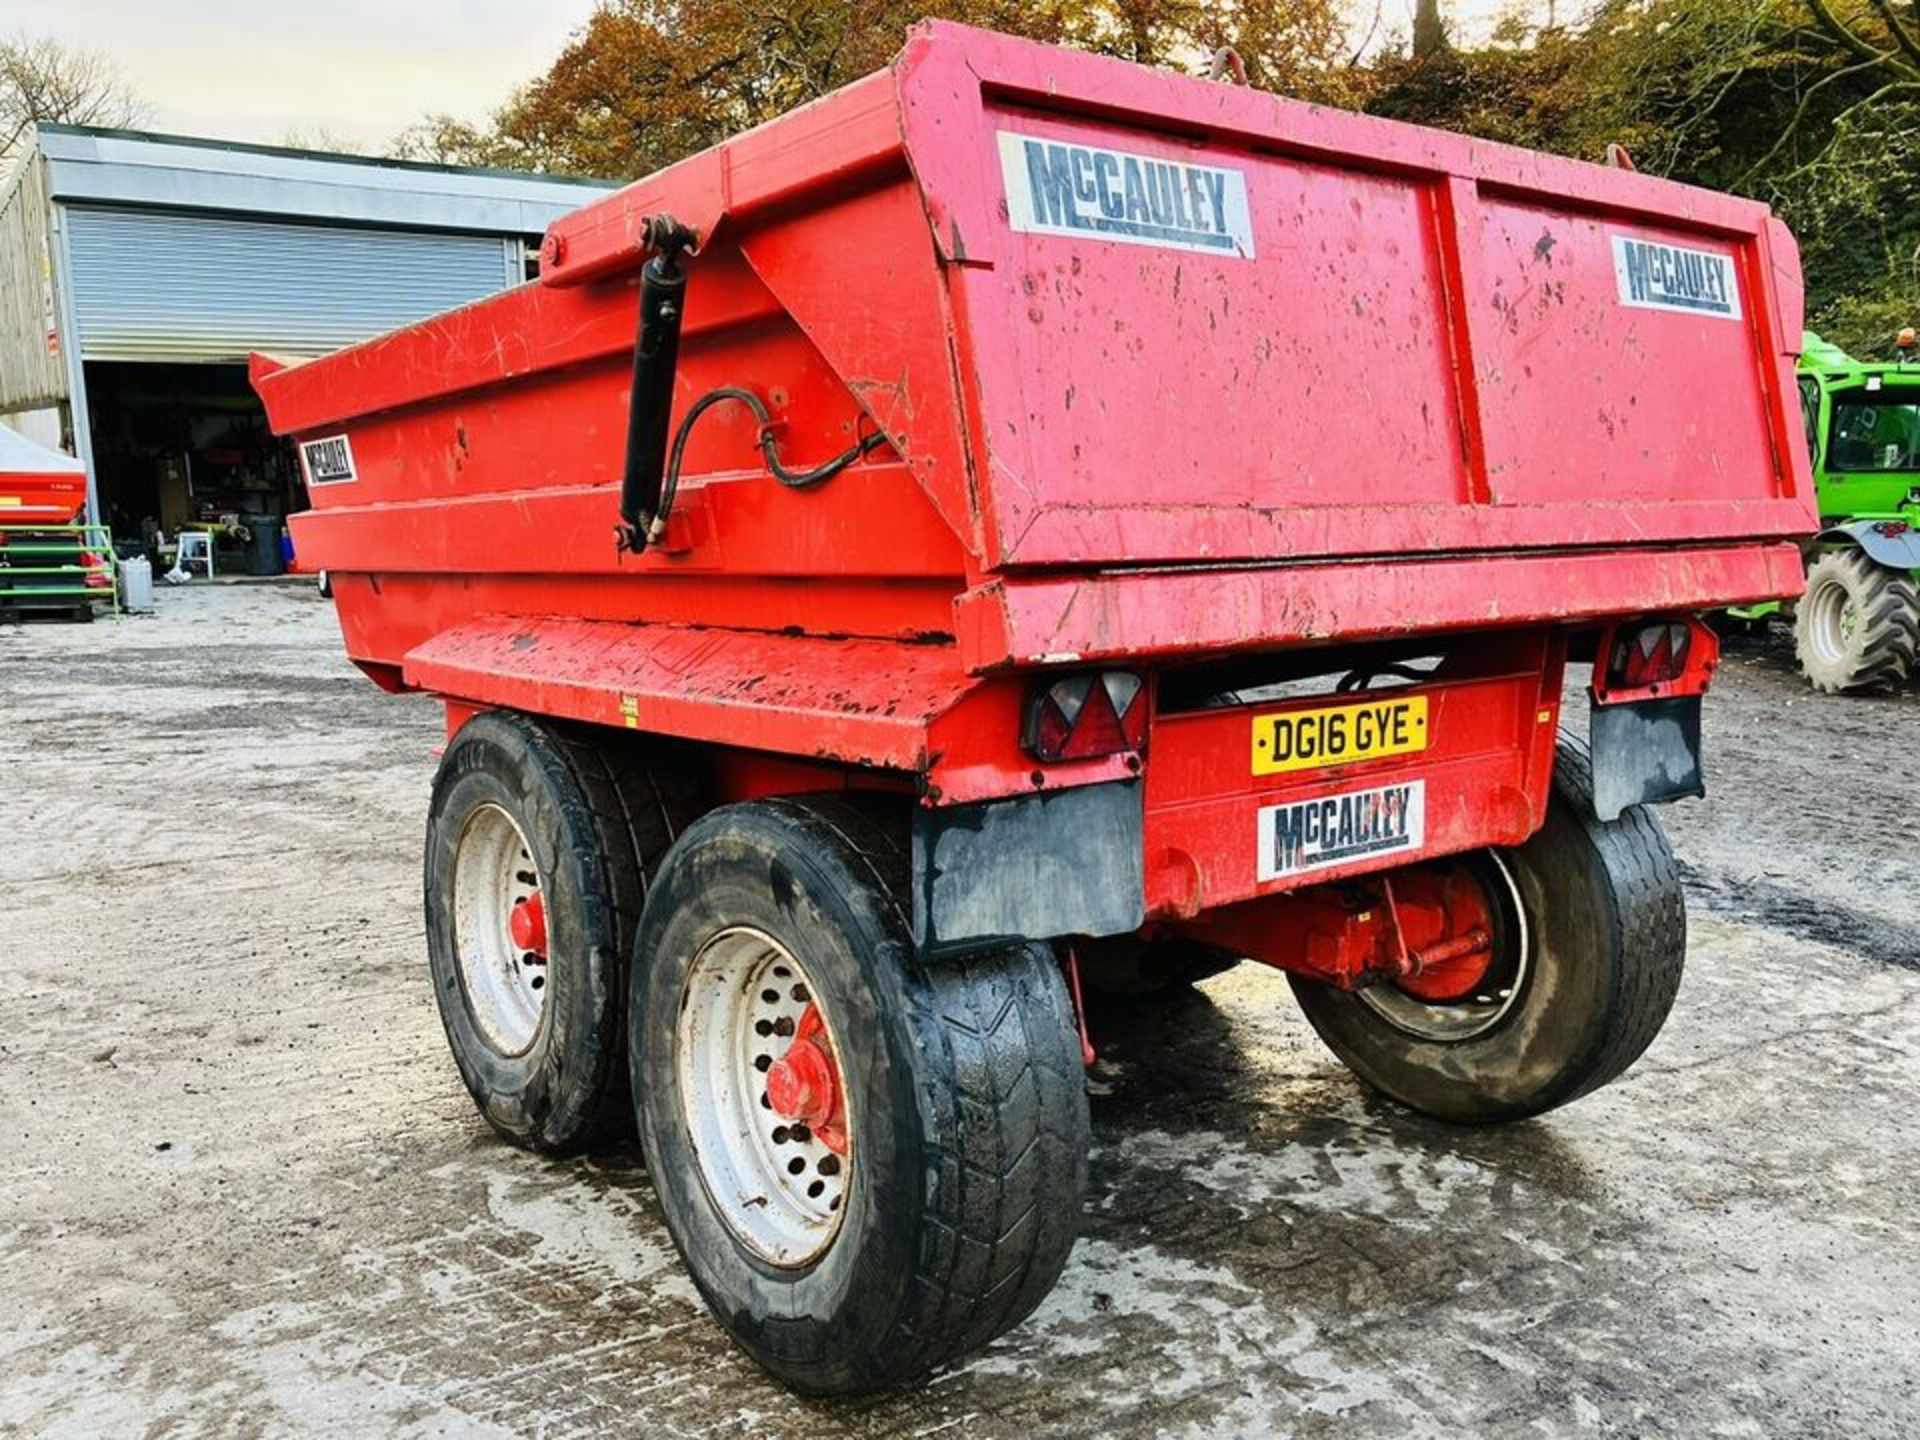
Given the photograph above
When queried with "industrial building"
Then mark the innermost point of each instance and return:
(137, 272)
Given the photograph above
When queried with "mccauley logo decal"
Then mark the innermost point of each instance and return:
(1656, 276)
(328, 461)
(1057, 187)
(1337, 829)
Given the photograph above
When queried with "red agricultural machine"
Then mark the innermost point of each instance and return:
(51, 559)
(1026, 518)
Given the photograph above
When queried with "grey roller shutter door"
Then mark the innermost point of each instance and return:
(163, 285)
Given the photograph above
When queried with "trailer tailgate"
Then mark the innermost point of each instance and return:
(1208, 325)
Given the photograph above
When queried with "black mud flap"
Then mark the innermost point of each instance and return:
(1069, 862)
(1645, 752)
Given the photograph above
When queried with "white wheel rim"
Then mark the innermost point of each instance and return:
(1832, 623)
(506, 986)
(778, 1185)
(1459, 1020)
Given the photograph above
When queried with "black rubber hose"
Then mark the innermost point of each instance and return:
(769, 450)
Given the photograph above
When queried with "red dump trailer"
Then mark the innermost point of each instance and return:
(1027, 519)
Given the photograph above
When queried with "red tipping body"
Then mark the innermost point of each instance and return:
(49, 499)
(1174, 378)
(39, 486)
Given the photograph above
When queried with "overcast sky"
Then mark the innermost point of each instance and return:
(361, 70)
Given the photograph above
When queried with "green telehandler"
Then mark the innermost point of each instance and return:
(1857, 628)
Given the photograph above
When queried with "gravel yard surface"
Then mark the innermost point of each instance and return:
(242, 1191)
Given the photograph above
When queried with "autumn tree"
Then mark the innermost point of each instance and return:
(645, 82)
(1843, 165)
(1867, 58)
(441, 139)
(1811, 105)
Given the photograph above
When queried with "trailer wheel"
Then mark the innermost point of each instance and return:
(539, 842)
(1858, 625)
(871, 1165)
(1588, 931)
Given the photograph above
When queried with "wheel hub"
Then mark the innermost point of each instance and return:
(1833, 619)
(528, 924)
(1447, 929)
(1465, 949)
(804, 1084)
(500, 929)
(763, 1097)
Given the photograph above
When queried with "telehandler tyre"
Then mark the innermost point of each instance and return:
(1589, 940)
(871, 1165)
(1858, 625)
(540, 838)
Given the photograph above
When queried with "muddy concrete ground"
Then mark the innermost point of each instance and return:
(242, 1191)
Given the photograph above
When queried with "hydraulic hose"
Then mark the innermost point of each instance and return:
(769, 451)
(651, 477)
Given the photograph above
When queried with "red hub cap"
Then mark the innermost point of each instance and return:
(528, 924)
(804, 1084)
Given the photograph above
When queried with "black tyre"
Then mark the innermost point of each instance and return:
(530, 816)
(870, 1165)
(1858, 626)
(1589, 940)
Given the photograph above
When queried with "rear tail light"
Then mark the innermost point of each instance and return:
(1650, 655)
(1641, 659)
(1084, 716)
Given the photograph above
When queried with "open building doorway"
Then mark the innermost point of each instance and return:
(185, 448)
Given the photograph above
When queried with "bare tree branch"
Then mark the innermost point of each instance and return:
(1373, 28)
(1885, 92)
(41, 79)
(1800, 113)
(1847, 36)
(1901, 33)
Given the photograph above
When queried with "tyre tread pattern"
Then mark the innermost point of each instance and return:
(1650, 921)
(1632, 936)
(1886, 608)
(1007, 1105)
(637, 806)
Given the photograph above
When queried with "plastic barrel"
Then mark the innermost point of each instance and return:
(263, 548)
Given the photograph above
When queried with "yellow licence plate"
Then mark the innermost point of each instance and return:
(1338, 734)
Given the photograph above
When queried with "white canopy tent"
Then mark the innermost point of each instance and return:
(21, 456)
